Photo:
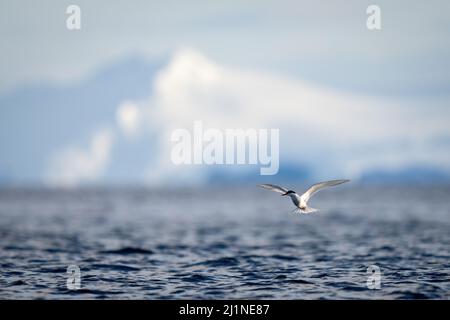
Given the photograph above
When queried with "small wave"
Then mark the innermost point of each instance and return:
(128, 250)
(282, 257)
(17, 248)
(164, 247)
(298, 281)
(410, 295)
(353, 288)
(115, 267)
(53, 270)
(218, 245)
(104, 293)
(17, 283)
(197, 278)
(221, 262)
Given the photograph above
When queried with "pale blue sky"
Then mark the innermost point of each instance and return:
(325, 42)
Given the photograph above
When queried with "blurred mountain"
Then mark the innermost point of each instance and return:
(414, 175)
(39, 119)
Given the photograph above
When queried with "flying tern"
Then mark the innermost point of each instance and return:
(301, 202)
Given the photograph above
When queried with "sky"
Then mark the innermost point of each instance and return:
(317, 41)
(347, 100)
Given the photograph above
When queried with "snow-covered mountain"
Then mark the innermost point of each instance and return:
(114, 127)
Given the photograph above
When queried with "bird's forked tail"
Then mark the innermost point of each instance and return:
(306, 210)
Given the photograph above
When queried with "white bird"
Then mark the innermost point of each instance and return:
(301, 202)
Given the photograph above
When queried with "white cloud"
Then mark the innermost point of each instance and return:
(128, 118)
(338, 134)
(318, 126)
(73, 165)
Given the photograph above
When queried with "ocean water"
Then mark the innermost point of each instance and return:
(225, 243)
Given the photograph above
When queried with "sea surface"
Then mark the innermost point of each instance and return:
(225, 243)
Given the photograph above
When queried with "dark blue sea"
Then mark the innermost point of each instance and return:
(224, 243)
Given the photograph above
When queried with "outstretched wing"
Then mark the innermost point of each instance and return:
(318, 186)
(273, 187)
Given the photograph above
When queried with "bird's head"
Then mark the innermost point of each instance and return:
(288, 193)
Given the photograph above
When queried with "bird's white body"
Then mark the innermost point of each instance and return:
(301, 202)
